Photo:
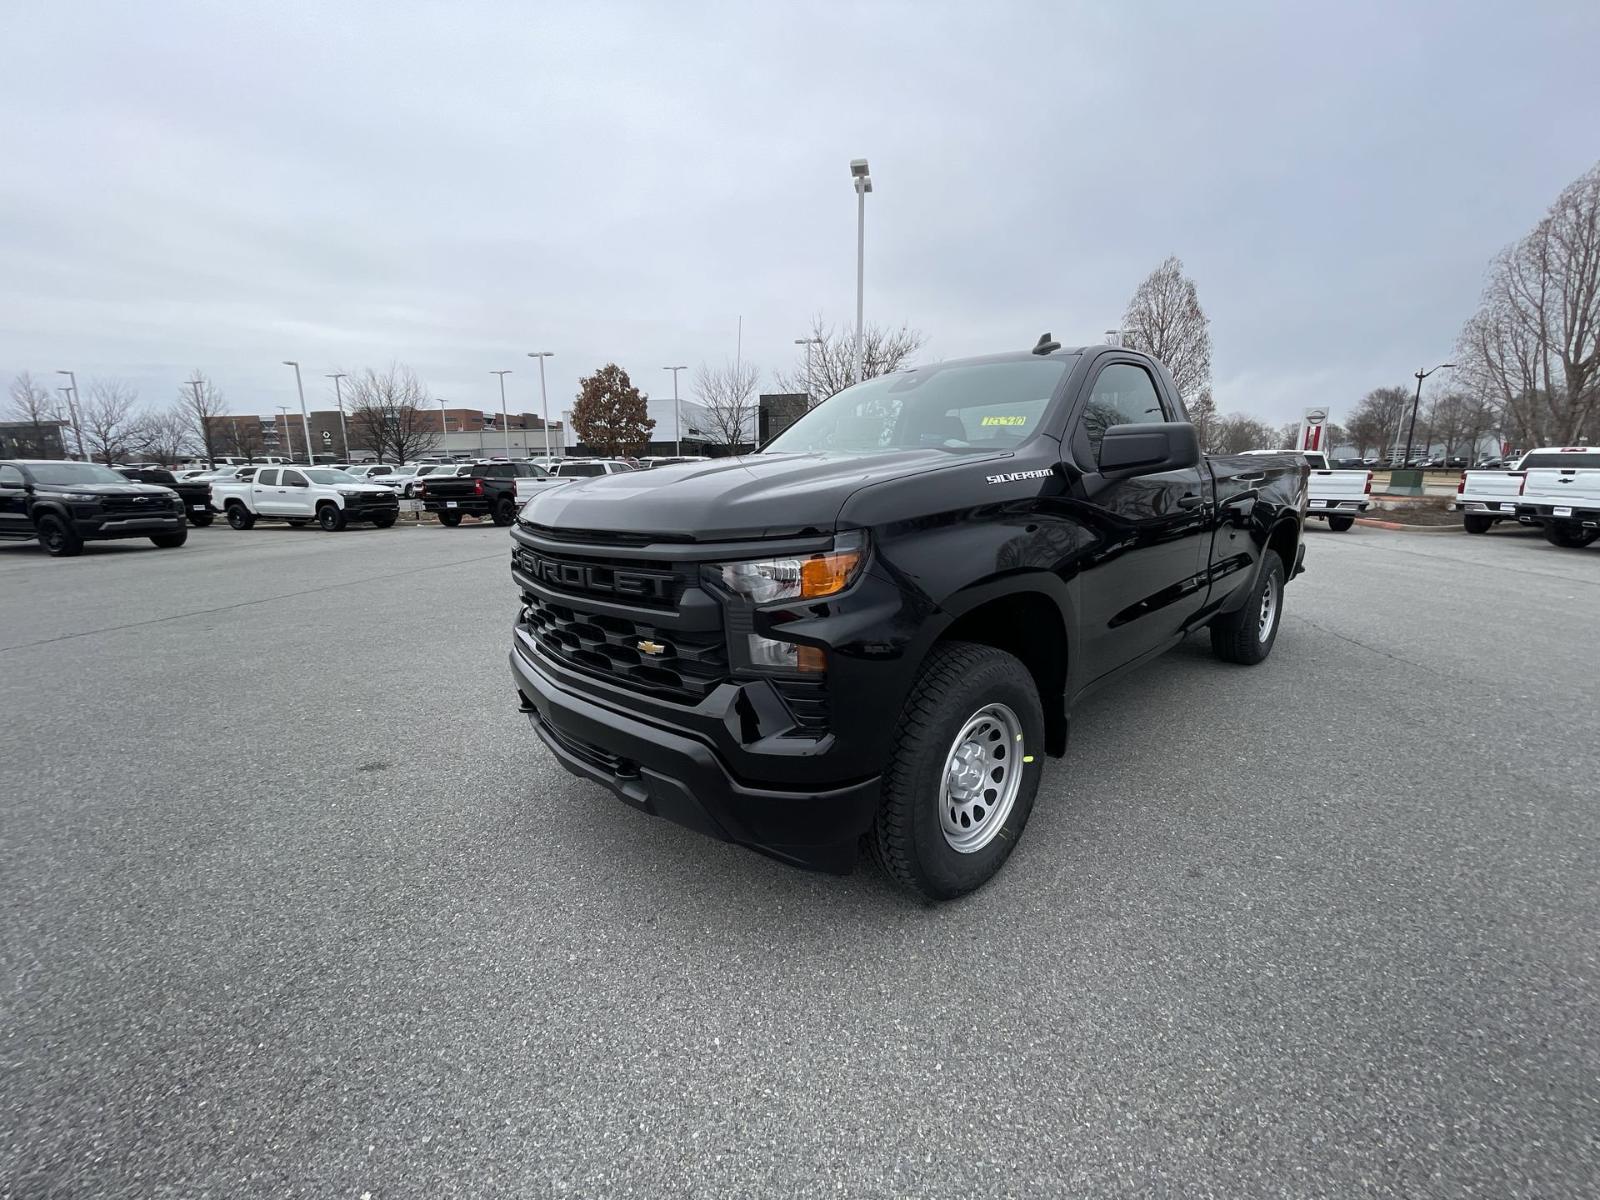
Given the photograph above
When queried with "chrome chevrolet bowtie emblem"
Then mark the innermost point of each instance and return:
(648, 647)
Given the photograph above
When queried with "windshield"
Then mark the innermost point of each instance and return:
(329, 475)
(73, 472)
(969, 406)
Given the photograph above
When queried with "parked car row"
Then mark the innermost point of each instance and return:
(1335, 495)
(1556, 488)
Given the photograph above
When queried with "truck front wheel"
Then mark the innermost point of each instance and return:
(962, 776)
(1246, 636)
(505, 512)
(331, 517)
(57, 536)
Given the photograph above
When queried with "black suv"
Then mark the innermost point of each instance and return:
(65, 504)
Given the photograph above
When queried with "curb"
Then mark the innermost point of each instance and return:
(1374, 523)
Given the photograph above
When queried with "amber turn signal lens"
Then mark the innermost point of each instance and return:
(825, 574)
(810, 658)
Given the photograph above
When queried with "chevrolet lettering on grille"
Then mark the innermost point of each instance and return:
(588, 577)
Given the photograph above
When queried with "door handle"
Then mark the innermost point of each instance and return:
(1252, 477)
(1190, 501)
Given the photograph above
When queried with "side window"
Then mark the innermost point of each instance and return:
(267, 477)
(293, 479)
(1123, 394)
(10, 477)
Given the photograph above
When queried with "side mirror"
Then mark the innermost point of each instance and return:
(1129, 450)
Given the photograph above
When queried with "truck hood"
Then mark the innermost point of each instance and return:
(108, 489)
(760, 495)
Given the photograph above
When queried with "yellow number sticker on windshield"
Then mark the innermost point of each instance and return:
(1004, 421)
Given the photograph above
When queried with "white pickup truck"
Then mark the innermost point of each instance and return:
(1485, 498)
(1563, 496)
(1338, 496)
(300, 495)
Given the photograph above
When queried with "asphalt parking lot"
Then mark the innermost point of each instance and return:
(297, 906)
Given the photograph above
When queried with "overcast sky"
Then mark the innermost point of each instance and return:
(224, 186)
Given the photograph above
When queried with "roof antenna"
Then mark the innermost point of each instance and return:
(1046, 344)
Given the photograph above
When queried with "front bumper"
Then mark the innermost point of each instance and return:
(119, 525)
(365, 509)
(663, 772)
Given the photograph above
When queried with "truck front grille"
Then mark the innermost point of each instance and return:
(681, 664)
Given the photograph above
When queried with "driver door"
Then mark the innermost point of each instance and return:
(1147, 575)
(294, 494)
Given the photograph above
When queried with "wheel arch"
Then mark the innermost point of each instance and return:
(1027, 616)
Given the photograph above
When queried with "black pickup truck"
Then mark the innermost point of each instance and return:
(196, 493)
(65, 504)
(877, 628)
(494, 490)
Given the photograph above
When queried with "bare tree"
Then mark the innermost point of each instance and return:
(1531, 352)
(728, 395)
(1237, 433)
(1375, 419)
(200, 404)
(239, 437)
(1288, 436)
(164, 435)
(108, 419)
(388, 410)
(1165, 319)
(32, 406)
(1203, 415)
(830, 365)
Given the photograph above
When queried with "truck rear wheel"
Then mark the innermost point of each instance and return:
(239, 516)
(57, 536)
(452, 519)
(1473, 523)
(1569, 537)
(1340, 524)
(1246, 636)
(962, 776)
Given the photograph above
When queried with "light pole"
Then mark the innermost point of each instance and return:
(505, 421)
(863, 183)
(283, 430)
(808, 343)
(677, 416)
(72, 410)
(1410, 433)
(305, 421)
(444, 424)
(544, 399)
(338, 398)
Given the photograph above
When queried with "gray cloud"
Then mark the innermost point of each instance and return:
(226, 186)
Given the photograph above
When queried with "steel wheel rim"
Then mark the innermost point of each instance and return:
(1269, 609)
(980, 779)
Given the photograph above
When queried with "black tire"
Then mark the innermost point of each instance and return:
(505, 512)
(170, 541)
(331, 517)
(1569, 537)
(57, 536)
(384, 520)
(1474, 523)
(1340, 524)
(908, 838)
(451, 519)
(1237, 637)
(299, 523)
(239, 516)
(201, 520)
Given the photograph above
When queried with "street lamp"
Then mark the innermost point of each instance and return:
(338, 398)
(444, 422)
(1411, 432)
(677, 416)
(505, 421)
(544, 399)
(283, 430)
(304, 419)
(808, 343)
(72, 409)
(863, 185)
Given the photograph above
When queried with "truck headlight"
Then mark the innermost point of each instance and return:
(80, 497)
(801, 577)
(348, 494)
